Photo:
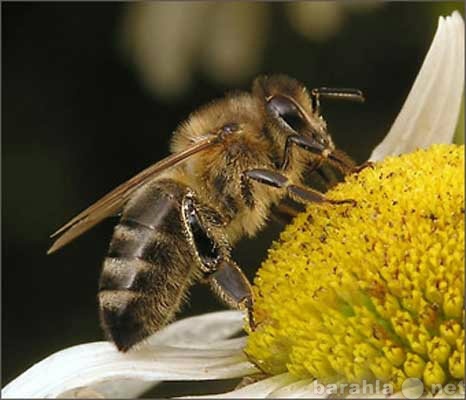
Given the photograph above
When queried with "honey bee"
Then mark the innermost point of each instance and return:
(231, 161)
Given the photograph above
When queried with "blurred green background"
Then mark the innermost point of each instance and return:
(92, 92)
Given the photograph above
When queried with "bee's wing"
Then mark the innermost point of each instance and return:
(114, 201)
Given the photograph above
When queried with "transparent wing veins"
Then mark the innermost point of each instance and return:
(113, 201)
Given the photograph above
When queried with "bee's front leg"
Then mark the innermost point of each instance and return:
(335, 157)
(322, 153)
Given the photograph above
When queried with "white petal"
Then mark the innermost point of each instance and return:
(298, 390)
(430, 112)
(101, 368)
(189, 332)
(210, 327)
(256, 390)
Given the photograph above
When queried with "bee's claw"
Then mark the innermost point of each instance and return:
(346, 201)
(358, 168)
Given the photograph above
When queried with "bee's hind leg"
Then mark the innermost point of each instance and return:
(219, 270)
(230, 284)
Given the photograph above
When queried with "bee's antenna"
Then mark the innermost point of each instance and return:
(335, 93)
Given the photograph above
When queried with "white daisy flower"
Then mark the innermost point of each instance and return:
(345, 325)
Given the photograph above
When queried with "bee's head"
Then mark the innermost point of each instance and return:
(289, 110)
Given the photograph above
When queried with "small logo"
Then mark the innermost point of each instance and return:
(412, 388)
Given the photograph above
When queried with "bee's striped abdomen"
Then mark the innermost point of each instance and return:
(147, 269)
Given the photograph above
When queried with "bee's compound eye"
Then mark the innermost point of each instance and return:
(284, 109)
(281, 106)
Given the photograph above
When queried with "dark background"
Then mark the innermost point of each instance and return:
(78, 121)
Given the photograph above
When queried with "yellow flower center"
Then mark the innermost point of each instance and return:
(372, 291)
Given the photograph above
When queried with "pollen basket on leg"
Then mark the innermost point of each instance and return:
(205, 247)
